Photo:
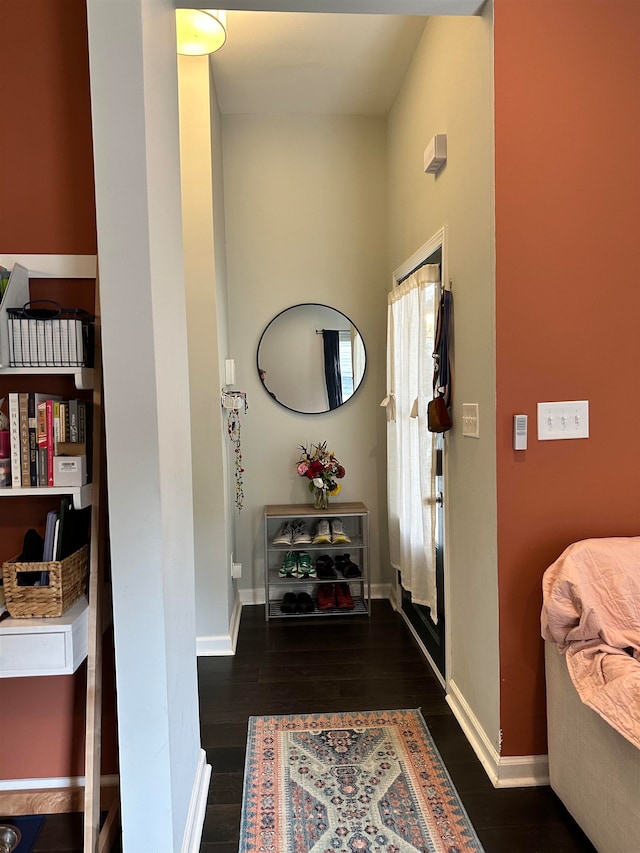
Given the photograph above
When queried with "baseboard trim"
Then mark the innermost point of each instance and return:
(59, 795)
(251, 596)
(222, 644)
(523, 771)
(511, 771)
(197, 806)
(381, 591)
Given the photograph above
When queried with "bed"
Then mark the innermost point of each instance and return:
(591, 624)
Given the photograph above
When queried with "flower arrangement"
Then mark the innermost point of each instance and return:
(322, 469)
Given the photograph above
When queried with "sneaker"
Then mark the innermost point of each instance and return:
(306, 569)
(344, 601)
(300, 536)
(347, 567)
(285, 535)
(338, 536)
(326, 597)
(324, 568)
(305, 603)
(322, 535)
(289, 567)
(289, 603)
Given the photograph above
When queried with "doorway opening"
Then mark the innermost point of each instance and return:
(430, 627)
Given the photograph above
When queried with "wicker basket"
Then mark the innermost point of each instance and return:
(67, 582)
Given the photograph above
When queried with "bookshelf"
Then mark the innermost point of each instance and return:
(57, 646)
(83, 377)
(81, 495)
(33, 647)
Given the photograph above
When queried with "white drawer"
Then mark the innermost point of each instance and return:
(30, 647)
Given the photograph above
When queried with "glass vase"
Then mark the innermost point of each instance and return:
(320, 498)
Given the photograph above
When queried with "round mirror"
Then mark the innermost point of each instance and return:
(311, 358)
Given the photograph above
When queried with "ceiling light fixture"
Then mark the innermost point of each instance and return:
(200, 31)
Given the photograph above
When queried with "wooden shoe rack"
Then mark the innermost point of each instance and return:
(355, 519)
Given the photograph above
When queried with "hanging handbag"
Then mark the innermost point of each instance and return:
(438, 417)
(438, 414)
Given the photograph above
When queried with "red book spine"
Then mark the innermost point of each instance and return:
(50, 442)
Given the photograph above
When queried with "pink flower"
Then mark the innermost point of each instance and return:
(302, 469)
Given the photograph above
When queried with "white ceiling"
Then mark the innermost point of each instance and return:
(289, 62)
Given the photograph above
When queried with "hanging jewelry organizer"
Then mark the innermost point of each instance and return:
(234, 402)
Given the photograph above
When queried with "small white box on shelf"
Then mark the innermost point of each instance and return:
(69, 470)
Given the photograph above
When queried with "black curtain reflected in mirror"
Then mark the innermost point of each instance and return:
(293, 367)
(333, 377)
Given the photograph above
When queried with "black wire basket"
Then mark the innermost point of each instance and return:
(44, 334)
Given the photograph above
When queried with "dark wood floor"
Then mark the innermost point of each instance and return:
(354, 664)
(341, 664)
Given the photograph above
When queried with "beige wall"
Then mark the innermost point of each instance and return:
(448, 89)
(205, 284)
(306, 222)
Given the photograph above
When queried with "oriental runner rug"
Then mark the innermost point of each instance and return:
(360, 782)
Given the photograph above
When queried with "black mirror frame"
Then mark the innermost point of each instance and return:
(331, 308)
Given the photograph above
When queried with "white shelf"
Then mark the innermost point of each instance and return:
(82, 376)
(356, 544)
(81, 495)
(359, 607)
(54, 646)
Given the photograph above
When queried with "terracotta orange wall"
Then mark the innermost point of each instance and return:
(48, 207)
(567, 113)
(46, 155)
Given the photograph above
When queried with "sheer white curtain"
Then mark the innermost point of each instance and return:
(410, 446)
(357, 348)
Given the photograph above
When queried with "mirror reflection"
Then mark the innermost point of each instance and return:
(311, 358)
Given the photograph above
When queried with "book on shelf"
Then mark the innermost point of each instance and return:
(73, 420)
(64, 427)
(34, 401)
(46, 439)
(50, 438)
(49, 531)
(41, 428)
(83, 421)
(14, 440)
(23, 409)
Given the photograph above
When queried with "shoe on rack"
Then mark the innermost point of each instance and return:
(338, 536)
(346, 567)
(344, 601)
(289, 603)
(284, 535)
(300, 535)
(306, 569)
(289, 567)
(305, 603)
(326, 597)
(322, 534)
(324, 568)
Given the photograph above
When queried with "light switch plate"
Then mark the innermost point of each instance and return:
(470, 420)
(568, 419)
